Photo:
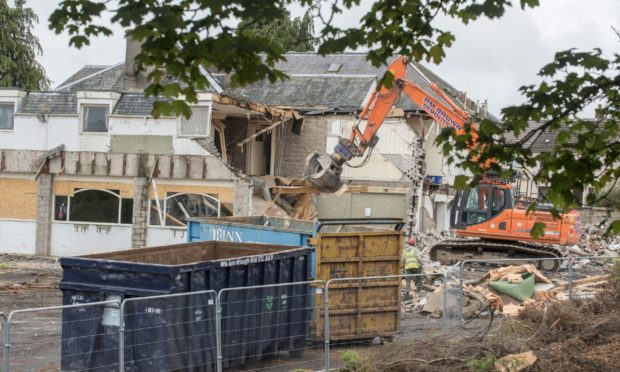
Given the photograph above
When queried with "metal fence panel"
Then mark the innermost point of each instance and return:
(169, 332)
(72, 338)
(582, 268)
(3, 340)
(453, 298)
(369, 311)
(271, 327)
(563, 272)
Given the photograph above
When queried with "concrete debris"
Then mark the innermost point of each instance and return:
(426, 240)
(595, 243)
(576, 250)
(515, 362)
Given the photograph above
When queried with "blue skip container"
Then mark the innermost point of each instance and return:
(255, 229)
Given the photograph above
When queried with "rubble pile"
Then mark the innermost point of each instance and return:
(508, 290)
(425, 241)
(595, 243)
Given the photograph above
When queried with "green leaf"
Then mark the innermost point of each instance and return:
(538, 230)
(614, 228)
(461, 182)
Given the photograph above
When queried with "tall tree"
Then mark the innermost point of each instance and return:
(291, 35)
(19, 48)
(182, 36)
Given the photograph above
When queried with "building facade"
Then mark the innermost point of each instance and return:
(86, 168)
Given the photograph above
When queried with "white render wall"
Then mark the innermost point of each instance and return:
(75, 239)
(156, 236)
(17, 236)
(31, 134)
(395, 136)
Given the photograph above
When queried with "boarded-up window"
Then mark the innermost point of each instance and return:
(95, 119)
(198, 124)
(6, 116)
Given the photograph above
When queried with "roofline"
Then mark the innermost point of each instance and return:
(88, 76)
(336, 75)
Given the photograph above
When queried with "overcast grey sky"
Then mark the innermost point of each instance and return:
(489, 60)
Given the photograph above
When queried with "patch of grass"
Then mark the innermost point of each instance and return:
(4, 266)
(485, 363)
(351, 360)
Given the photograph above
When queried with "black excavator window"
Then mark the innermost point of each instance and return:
(476, 209)
(499, 201)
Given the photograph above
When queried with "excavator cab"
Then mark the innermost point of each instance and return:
(480, 204)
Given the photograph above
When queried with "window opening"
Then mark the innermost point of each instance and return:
(61, 204)
(476, 206)
(97, 206)
(179, 207)
(219, 139)
(6, 116)
(198, 124)
(95, 119)
(499, 201)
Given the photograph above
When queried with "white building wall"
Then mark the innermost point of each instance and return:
(76, 239)
(156, 236)
(395, 137)
(17, 236)
(30, 133)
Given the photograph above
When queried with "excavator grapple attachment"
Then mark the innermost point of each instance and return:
(323, 172)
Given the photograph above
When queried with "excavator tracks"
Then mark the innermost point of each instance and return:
(451, 251)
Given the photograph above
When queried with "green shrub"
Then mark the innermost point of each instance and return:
(483, 364)
(351, 360)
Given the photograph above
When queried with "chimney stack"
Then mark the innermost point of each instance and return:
(598, 112)
(134, 81)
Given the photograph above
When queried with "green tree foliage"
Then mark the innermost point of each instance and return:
(585, 153)
(292, 35)
(19, 48)
(181, 36)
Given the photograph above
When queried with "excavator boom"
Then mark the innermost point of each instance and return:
(324, 170)
(487, 211)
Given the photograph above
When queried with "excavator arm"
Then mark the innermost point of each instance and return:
(324, 170)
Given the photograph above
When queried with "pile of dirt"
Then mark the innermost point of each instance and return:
(583, 336)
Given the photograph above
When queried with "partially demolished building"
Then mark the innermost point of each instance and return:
(86, 168)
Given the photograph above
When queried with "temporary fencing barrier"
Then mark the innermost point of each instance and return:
(32, 338)
(365, 311)
(287, 326)
(558, 270)
(261, 323)
(3, 340)
(168, 332)
(452, 298)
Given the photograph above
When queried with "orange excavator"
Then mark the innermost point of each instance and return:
(487, 212)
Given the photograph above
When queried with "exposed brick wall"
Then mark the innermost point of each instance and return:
(45, 197)
(292, 150)
(140, 212)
